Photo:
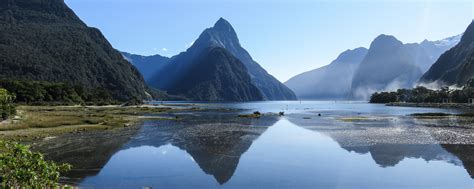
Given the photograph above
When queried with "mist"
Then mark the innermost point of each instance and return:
(356, 74)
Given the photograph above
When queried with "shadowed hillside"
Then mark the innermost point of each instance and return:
(44, 40)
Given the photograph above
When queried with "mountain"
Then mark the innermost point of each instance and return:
(456, 66)
(334, 81)
(388, 149)
(388, 65)
(329, 82)
(216, 75)
(221, 35)
(44, 40)
(215, 142)
(146, 65)
(427, 52)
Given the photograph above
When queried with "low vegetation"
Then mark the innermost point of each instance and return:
(355, 119)
(255, 114)
(22, 168)
(7, 108)
(43, 121)
(424, 95)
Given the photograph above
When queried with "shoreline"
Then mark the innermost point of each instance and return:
(41, 122)
(463, 106)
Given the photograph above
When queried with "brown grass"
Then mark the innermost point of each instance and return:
(42, 121)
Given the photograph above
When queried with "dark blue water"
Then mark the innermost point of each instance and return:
(299, 150)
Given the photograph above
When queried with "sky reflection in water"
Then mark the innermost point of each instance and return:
(289, 152)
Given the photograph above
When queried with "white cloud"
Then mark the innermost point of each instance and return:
(164, 49)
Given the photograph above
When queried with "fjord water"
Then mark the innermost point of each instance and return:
(350, 145)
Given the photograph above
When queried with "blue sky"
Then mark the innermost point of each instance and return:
(286, 37)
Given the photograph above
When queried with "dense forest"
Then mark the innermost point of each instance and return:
(42, 92)
(424, 95)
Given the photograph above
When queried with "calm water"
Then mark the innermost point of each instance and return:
(351, 145)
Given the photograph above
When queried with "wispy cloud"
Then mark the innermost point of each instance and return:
(164, 49)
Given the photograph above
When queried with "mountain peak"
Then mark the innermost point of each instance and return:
(385, 38)
(468, 36)
(426, 41)
(222, 25)
(220, 35)
(223, 35)
(385, 42)
(352, 55)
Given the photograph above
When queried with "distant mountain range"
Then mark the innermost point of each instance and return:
(172, 75)
(46, 41)
(147, 65)
(332, 81)
(427, 52)
(387, 65)
(456, 66)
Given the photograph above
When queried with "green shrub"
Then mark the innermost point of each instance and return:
(22, 168)
(7, 107)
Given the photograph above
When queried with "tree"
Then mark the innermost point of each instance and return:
(424, 95)
(7, 107)
(22, 168)
(384, 97)
(49, 93)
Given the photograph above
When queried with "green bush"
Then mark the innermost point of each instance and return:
(22, 168)
(7, 107)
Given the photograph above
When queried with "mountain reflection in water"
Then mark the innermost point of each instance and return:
(299, 150)
(389, 140)
(216, 143)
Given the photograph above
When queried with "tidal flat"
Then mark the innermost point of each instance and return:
(38, 122)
